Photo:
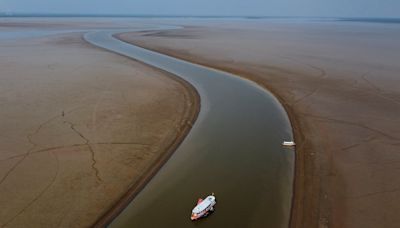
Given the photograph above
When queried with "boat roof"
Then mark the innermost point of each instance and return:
(203, 205)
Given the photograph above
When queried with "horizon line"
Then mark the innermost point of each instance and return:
(11, 14)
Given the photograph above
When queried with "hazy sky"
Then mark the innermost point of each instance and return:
(343, 8)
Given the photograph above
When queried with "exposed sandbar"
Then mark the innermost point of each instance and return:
(79, 128)
(339, 83)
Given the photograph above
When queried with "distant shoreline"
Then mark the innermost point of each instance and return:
(339, 19)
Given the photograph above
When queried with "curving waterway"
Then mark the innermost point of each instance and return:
(234, 150)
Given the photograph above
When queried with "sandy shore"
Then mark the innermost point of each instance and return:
(339, 83)
(79, 128)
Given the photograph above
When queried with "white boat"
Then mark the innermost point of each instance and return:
(204, 207)
(288, 143)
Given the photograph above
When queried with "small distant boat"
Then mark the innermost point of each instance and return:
(204, 207)
(288, 143)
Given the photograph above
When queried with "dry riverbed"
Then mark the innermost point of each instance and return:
(339, 83)
(79, 127)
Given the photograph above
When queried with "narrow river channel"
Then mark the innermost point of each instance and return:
(234, 150)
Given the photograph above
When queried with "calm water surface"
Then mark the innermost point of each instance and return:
(233, 150)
